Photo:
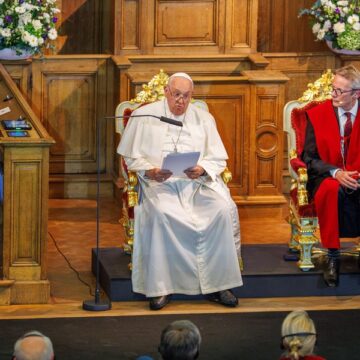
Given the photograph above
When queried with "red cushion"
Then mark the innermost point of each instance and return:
(297, 163)
(127, 113)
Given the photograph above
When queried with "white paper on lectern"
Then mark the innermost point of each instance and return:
(178, 162)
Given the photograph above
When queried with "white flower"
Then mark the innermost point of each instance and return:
(339, 27)
(46, 17)
(330, 7)
(30, 19)
(52, 34)
(5, 33)
(324, 2)
(327, 25)
(30, 39)
(30, 7)
(20, 9)
(25, 36)
(36, 24)
(33, 41)
(345, 10)
(343, 3)
(353, 19)
(320, 34)
(316, 27)
(24, 18)
(356, 26)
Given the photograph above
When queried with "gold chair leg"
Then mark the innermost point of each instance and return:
(307, 240)
(294, 235)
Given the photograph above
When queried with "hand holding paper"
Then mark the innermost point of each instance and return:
(177, 163)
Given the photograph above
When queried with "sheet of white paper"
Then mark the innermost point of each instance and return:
(178, 162)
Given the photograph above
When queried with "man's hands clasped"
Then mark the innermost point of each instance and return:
(348, 179)
(158, 175)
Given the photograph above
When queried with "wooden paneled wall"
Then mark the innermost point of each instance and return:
(71, 95)
(281, 30)
(190, 26)
(157, 26)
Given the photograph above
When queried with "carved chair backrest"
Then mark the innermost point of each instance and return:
(153, 91)
(295, 120)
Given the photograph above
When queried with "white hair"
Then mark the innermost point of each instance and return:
(46, 353)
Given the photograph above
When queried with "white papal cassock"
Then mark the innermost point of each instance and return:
(187, 233)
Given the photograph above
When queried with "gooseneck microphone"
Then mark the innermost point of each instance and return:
(161, 118)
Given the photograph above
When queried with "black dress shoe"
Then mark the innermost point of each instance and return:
(225, 297)
(331, 272)
(158, 302)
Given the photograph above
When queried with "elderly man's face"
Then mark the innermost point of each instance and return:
(178, 95)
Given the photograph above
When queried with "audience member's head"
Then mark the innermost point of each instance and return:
(298, 335)
(180, 341)
(33, 345)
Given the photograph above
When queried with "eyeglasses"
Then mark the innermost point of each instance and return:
(177, 95)
(339, 92)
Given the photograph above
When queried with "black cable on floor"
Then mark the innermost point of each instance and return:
(70, 266)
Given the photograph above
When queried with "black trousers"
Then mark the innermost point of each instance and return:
(349, 212)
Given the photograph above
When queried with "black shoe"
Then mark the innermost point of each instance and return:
(331, 272)
(225, 297)
(157, 303)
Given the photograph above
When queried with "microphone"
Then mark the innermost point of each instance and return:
(161, 118)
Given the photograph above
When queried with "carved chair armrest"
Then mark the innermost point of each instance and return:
(302, 194)
(132, 182)
(301, 178)
(226, 175)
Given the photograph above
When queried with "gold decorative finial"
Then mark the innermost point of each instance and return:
(153, 90)
(320, 90)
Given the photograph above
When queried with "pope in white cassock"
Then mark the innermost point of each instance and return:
(187, 233)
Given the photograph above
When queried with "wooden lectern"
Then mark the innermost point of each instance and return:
(24, 161)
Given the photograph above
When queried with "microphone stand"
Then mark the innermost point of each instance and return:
(161, 118)
(97, 304)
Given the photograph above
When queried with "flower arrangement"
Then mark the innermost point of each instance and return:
(27, 25)
(336, 21)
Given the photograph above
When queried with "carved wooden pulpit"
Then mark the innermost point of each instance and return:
(24, 160)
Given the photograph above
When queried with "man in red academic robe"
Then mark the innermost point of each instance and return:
(332, 156)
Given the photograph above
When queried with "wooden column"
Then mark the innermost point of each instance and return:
(267, 90)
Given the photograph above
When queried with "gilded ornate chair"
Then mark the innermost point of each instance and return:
(151, 92)
(302, 217)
